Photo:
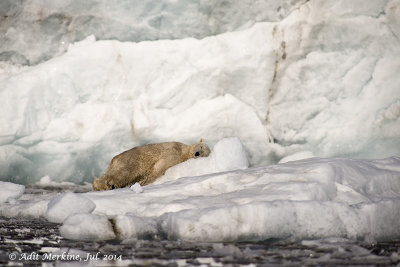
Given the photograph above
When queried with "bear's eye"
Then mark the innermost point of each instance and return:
(197, 154)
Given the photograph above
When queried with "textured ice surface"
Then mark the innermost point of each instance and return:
(306, 199)
(318, 76)
(36, 30)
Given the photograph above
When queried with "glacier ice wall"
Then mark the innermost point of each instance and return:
(337, 88)
(318, 76)
(32, 31)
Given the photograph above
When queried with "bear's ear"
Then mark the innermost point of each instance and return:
(201, 140)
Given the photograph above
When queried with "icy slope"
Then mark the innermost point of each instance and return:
(324, 79)
(337, 88)
(312, 198)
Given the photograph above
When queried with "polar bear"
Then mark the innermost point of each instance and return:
(144, 164)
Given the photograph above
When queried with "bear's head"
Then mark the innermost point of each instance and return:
(200, 149)
(100, 184)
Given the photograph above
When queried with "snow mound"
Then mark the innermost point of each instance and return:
(10, 191)
(227, 155)
(63, 205)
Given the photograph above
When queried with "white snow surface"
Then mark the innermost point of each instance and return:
(317, 76)
(306, 199)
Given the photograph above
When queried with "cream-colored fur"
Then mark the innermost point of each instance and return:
(144, 164)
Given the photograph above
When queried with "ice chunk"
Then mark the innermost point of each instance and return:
(227, 155)
(137, 188)
(9, 191)
(45, 180)
(135, 227)
(63, 205)
(35, 208)
(87, 227)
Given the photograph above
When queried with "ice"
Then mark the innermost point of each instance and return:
(318, 77)
(34, 31)
(227, 155)
(137, 227)
(10, 191)
(62, 206)
(342, 59)
(69, 125)
(297, 156)
(307, 199)
(296, 200)
(87, 227)
(313, 85)
(46, 181)
(137, 188)
(283, 77)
